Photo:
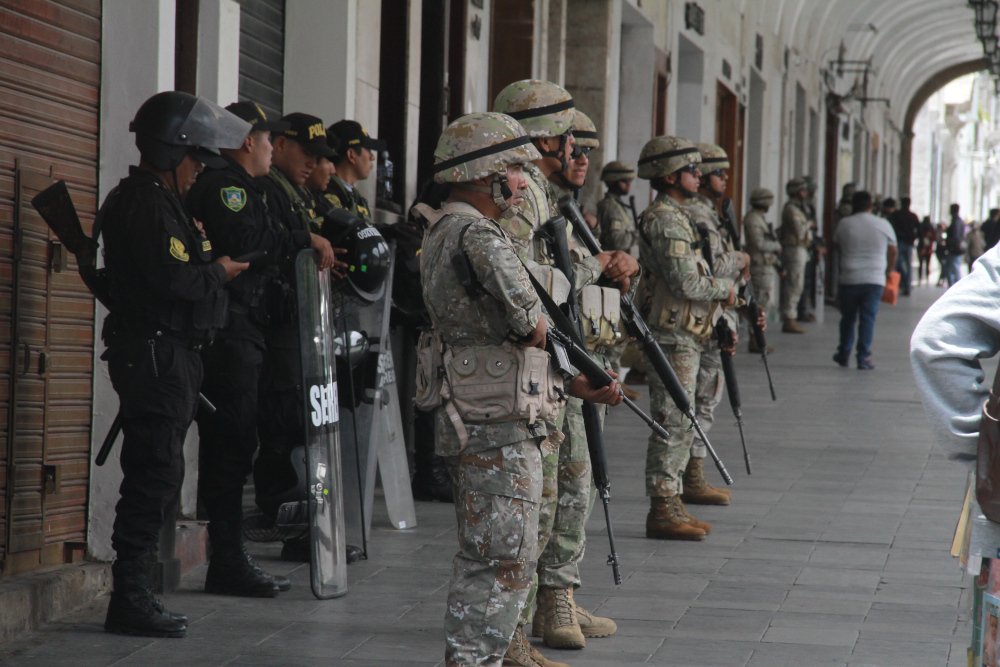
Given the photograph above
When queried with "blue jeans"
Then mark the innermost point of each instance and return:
(904, 264)
(953, 269)
(858, 300)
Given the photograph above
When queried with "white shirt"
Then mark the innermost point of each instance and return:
(958, 330)
(862, 240)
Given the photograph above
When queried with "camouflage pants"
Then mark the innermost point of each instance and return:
(765, 284)
(667, 458)
(792, 286)
(497, 500)
(547, 506)
(559, 562)
(708, 393)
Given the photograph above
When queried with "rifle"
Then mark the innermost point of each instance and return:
(57, 210)
(631, 206)
(556, 229)
(724, 335)
(638, 329)
(753, 310)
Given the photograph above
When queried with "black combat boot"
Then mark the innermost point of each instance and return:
(232, 571)
(431, 480)
(133, 609)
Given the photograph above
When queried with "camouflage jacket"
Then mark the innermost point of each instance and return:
(762, 244)
(725, 258)
(616, 225)
(506, 308)
(796, 230)
(681, 295)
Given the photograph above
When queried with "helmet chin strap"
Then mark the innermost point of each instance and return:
(559, 153)
(498, 190)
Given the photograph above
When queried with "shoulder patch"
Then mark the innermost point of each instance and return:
(679, 248)
(234, 198)
(178, 251)
(334, 200)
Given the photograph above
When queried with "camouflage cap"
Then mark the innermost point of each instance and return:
(480, 144)
(584, 130)
(713, 157)
(662, 156)
(545, 109)
(617, 171)
(793, 186)
(761, 197)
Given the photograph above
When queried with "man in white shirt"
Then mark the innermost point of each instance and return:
(866, 247)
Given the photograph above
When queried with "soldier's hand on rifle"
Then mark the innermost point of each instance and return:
(581, 388)
(745, 258)
(762, 320)
(619, 266)
(731, 299)
(323, 249)
(232, 267)
(537, 337)
(730, 347)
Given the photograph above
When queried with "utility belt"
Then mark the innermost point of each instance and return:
(114, 329)
(486, 384)
(670, 313)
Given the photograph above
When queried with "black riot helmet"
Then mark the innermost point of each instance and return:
(368, 259)
(171, 124)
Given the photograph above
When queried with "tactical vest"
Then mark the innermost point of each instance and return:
(340, 195)
(668, 312)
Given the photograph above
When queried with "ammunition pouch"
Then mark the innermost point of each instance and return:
(553, 280)
(493, 384)
(600, 316)
(670, 313)
(430, 371)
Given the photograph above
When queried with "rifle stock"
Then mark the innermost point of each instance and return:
(638, 329)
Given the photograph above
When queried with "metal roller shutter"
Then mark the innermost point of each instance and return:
(262, 54)
(50, 86)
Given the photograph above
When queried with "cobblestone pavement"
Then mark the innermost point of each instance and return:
(834, 553)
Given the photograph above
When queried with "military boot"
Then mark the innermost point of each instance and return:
(629, 393)
(520, 653)
(133, 610)
(592, 625)
(791, 326)
(233, 571)
(666, 522)
(697, 490)
(704, 525)
(561, 629)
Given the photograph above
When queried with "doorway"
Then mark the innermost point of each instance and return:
(730, 118)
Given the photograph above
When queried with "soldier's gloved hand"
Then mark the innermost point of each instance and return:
(324, 251)
(232, 267)
(537, 337)
(581, 388)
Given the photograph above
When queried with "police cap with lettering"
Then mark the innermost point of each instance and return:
(309, 132)
(353, 135)
(253, 114)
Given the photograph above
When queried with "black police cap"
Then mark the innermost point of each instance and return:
(309, 132)
(353, 135)
(253, 114)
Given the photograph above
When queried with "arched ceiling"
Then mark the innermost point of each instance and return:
(915, 40)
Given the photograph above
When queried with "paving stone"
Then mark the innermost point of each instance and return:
(811, 636)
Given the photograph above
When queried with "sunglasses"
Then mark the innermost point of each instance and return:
(578, 151)
(690, 169)
(719, 173)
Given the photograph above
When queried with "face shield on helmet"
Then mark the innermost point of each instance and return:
(172, 124)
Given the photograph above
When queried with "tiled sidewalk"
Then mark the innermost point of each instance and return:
(834, 553)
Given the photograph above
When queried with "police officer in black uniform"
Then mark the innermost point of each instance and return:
(297, 151)
(356, 157)
(230, 203)
(167, 302)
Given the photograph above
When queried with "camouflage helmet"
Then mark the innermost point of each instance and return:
(662, 156)
(617, 171)
(761, 197)
(810, 184)
(713, 157)
(584, 130)
(478, 145)
(795, 185)
(545, 109)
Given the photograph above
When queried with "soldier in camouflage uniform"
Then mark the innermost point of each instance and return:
(685, 301)
(614, 216)
(730, 264)
(546, 112)
(765, 251)
(495, 460)
(796, 239)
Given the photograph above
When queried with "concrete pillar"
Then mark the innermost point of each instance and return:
(219, 50)
(634, 103)
(137, 55)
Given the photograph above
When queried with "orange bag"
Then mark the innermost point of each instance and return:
(891, 292)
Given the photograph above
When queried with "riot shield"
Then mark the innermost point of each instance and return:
(372, 424)
(328, 561)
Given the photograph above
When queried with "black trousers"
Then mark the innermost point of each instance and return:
(228, 437)
(157, 382)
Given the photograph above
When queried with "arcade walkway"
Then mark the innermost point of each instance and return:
(834, 552)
